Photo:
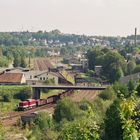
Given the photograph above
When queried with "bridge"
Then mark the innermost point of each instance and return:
(37, 88)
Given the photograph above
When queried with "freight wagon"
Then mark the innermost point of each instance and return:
(32, 103)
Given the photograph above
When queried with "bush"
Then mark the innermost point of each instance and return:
(84, 105)
(15, 92)
(43, 121)
(66, 109)
(23, 94)
(107, 94)
(120, 90)
(7, 97)
(90, 73)
(85, 129)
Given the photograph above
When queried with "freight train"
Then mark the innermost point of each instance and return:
(33, 103)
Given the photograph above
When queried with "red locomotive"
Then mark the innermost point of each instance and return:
(32, 103)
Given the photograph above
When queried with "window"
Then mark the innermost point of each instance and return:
(44, 78)
(40, 78)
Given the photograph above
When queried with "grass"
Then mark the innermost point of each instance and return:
(12, 104)
(50, 93)
(6, 107)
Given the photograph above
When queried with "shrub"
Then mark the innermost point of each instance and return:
(7, 97)
(84, 105)
(43, 121)
(23, 94)
(107, 94)
(85, 129)
(120, 90)
(66, 109)
(16, 92)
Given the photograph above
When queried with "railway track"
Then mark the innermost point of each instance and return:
(13, 117)
(42, 64)
(84, 94)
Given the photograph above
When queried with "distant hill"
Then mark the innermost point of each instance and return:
(56, 38)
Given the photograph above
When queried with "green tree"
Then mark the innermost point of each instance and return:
(131, 66)
(63, 51)
(17, 60)
(92, 57)
(66, 109)
(131, 86)
(43, 121)
(129, 126)
(113, 64)
(137, 69)
(107, 94)
(121, 90)
(80, 130)
(113, 128)
(23, 62)
(138, 90)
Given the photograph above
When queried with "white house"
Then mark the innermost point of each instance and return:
(47, 76)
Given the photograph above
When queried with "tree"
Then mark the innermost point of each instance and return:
(113, 128)
(63, 51)
(121, 90)
(23, 62)
(1, 52)
(129, 126)
(131, 86)
(80, 130)
(107, 94)
(4, 62)
(131, 66)
(43, 121)
(17, 60)
(66, 109)
(113, 64)
(137, 69)
(92, 57)
(138, 90)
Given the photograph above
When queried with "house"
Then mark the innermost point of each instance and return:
(12, 79)
(47, 76)
(39, 77)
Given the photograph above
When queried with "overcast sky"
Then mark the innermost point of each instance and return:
(90, 17)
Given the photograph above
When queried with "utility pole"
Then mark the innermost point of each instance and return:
(135, 41)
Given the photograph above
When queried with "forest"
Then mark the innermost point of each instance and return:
(51, 38)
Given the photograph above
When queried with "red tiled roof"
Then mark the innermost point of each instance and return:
(11, 78)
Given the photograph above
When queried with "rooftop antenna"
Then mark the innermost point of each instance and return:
(135, 41)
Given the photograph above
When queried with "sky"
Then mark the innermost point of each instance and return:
(89, 17)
